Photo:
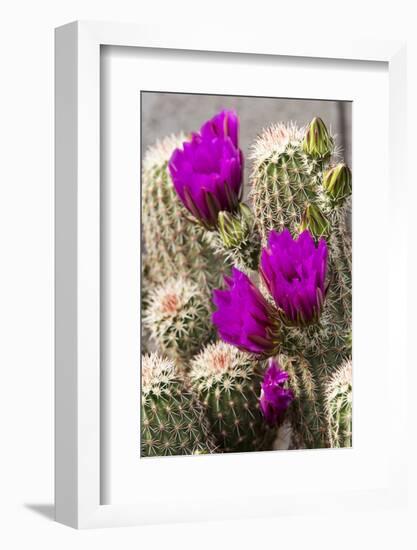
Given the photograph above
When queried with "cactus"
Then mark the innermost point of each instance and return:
(287, 191)
(173, 421)
(288, 309)
(173, 245)
(294, 186)
(178, 318)
(284, 180)
(339, 406)
(228, 382)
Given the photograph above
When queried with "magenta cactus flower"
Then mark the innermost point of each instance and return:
(275, 398)
(294, 271)
(207, 171)
(224, 124)
(243, 316)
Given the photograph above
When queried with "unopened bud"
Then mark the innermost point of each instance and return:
(235, 228)
(314, 220)
(337, 183)
(317, 142)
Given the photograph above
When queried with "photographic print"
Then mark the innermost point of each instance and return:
(246, 287)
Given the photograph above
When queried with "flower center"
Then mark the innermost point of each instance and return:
(170, 303)
(147, 373)
(220, 362)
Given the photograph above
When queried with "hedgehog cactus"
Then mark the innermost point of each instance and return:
(173, 421)
(173, 245)
(284, 179)
(228, 382)
(287, 296)
(288, 192)
(178, 318)
(207, 170)
(295, 187)
(339, 406)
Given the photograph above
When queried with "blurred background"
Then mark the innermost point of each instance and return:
(167, 113)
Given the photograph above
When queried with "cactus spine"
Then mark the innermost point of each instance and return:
(287, 191)
(228, 382)
(173, 420)
(178, 318)
(339, 406)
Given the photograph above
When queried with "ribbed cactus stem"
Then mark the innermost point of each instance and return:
(173, 245)
(311, 356)
(340, 263)
(309, 377)
(228, 382)
(284, 179)
(339, 406)
(173, 421)
(287, 192)
(178, 318)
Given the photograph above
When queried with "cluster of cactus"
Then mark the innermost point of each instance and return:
(200, 394)
(173, 420)
(293, 187)
(178, 318)
(228, 383)
(172, 245)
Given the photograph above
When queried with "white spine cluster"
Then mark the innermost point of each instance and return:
(156, 372)
(339, 406)
(220, 362)
(274, 140)
(160, 153)
(178, 318)
(340, 383)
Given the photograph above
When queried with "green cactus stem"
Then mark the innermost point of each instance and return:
(178, 318)
(228, 382)
(339, 406)
(287, 191)
(172, 244)
(173, 421)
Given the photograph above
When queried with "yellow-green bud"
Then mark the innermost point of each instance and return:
(235, 228)
(337, 183)
(314, 220)
(317, 142)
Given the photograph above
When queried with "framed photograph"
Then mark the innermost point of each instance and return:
(222, 337)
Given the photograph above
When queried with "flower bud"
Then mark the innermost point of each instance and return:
(317, 142)
(314, 220)
(337, 183)
(275, 398)
(235, 228)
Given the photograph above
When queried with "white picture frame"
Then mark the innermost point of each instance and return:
(78, 404)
